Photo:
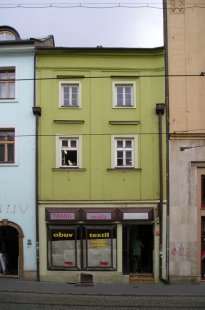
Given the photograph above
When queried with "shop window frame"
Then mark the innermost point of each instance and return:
(49, 249)
(113, 230)
(81, 251)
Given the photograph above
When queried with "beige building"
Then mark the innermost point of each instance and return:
(186, 97)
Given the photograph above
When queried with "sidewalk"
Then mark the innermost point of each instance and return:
(13, 285)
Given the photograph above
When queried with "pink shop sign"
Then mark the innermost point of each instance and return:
(62, 216)
(103, 216)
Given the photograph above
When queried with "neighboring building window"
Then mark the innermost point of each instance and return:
(69, 152)
(7, 143)
(6, 35)
(81, 247)
(202, 191)
(70, 94)
(124, 151)
(7, 83)
(124, 95)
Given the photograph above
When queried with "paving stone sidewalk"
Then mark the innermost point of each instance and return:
(15, 285)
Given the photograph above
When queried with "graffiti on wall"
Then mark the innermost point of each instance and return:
(181, 250)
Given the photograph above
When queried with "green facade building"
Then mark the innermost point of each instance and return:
(101, 163)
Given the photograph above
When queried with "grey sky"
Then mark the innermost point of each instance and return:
(140, 25)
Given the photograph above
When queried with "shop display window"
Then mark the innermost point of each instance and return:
(63, 247)
(82, 247)
(100, 246)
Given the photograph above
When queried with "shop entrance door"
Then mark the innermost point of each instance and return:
(10, 248)
(132, 263)
(203, 248)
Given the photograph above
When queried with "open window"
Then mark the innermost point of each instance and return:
(69, 152)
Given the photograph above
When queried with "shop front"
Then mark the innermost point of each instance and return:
(98, 241)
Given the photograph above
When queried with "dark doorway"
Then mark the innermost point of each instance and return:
(9, 239)
(145, 234)
(203, 248)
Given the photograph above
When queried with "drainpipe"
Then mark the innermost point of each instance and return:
(37, 113)
(160, 108)
(165, 22)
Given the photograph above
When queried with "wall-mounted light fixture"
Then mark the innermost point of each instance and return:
(29, 243)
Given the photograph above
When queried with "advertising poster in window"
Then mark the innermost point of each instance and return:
(101, 248)
(63, 247)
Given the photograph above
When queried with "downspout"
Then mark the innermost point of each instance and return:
(37, 113)
(167, 131)
(160, 108)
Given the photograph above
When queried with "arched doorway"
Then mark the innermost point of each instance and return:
(11, 237)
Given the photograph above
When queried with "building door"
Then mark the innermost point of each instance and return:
(9, 241)
(131, 262)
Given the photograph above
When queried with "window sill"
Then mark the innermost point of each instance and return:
(69, 107)
(8, 100)
(124, 107)
(124, 122)
(61, 121)
(124, 169)
(69, 169)
(8, 165)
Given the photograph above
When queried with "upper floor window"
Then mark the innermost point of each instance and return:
(7, 83)
(70, 94)
(124, 151)
(7, 143)
(69, 148)
(124, 95)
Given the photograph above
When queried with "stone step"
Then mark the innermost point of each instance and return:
(141, 278)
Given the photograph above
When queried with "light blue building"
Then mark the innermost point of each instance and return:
(18, 238)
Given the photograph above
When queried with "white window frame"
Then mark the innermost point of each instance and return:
(14, 163)
(59, 148)
(124, 84)
(134, 151)
(10, 67)
(69, 83)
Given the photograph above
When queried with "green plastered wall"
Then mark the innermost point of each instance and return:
(100, 67)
